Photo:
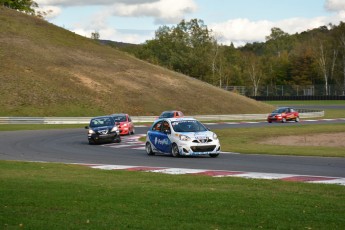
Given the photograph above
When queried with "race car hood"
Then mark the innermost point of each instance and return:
(199, 135)
(102, 129)
(274, 114)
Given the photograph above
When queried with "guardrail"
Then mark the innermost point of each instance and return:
(142, 119)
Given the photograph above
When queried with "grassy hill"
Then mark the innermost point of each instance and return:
(46, 70)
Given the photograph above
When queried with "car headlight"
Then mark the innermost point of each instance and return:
(114, 129)
(91, 131)
(215, 137)
(184, 138)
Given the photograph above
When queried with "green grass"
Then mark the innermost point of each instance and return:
(245, 140)
(12, 127)
(334, 113)
(55, 196)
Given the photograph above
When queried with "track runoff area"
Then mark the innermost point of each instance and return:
(133, 142)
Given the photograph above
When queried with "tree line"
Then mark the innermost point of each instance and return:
(313, 57)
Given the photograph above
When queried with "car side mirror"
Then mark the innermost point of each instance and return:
(86, 127)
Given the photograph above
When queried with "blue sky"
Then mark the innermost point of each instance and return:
(237, 21)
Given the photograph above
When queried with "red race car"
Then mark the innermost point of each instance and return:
(283, 115)
(171, 114)
(124, 123)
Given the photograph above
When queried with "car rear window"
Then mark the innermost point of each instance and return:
(166, 115)
(120, 118)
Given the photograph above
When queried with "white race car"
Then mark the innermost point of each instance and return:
(181, 136)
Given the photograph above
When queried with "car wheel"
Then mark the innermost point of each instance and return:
(117, 139)
(148, 149)
(214, 155)
(91, 142)
(133, 131)
(174, 150)
(284, 120)
(269, 121)
(297, 119)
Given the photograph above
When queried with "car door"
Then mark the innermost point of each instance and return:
(159, 137)
(130, 124)
(289, 114)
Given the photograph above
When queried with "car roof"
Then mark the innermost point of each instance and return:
(285, 107)
(119, 114)
(172, 119)
(171, 111)
(102, 117)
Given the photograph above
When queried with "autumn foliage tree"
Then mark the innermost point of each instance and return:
(26, 6)
(313, 57)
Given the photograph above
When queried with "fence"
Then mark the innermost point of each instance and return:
(289, 90)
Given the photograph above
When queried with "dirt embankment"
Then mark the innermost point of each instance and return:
(328, 139)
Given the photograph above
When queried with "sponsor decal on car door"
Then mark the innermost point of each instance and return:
(160, 141)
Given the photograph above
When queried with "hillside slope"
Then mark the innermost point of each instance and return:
(46, 70)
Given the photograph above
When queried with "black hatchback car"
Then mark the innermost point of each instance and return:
(103, 129)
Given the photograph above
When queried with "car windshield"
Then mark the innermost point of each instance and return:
(281, 110)
(188, 126)
(120, 118)
(167, 115)
(103, 121)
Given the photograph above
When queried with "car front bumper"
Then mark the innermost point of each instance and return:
(192, 149)
(102, 137)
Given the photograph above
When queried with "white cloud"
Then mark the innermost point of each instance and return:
(242, 31)
(239, 31)
(164, 11)
(90, 2)
(51, 11)
(335, 5)
(98, 23)
(135, 37)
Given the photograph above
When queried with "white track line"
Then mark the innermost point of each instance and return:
(224, 173)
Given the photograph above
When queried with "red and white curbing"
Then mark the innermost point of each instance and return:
(224, 173)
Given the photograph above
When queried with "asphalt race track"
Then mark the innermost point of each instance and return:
(71, 146)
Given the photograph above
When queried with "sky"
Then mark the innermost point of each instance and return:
(232, 21)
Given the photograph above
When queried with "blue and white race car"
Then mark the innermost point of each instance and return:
(181, 136)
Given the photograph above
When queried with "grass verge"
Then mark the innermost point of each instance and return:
(12, 127)
(246, 140)
(56, 196)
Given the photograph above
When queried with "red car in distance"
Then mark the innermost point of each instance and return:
(171, 114)
(283, 115)
(124, 123)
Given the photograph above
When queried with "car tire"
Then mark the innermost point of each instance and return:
(91, 142)
(284, 120)
(297, 119)
(133, 131)
(148, 149)
(174, 150)
(214, 155)
(117, 139)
